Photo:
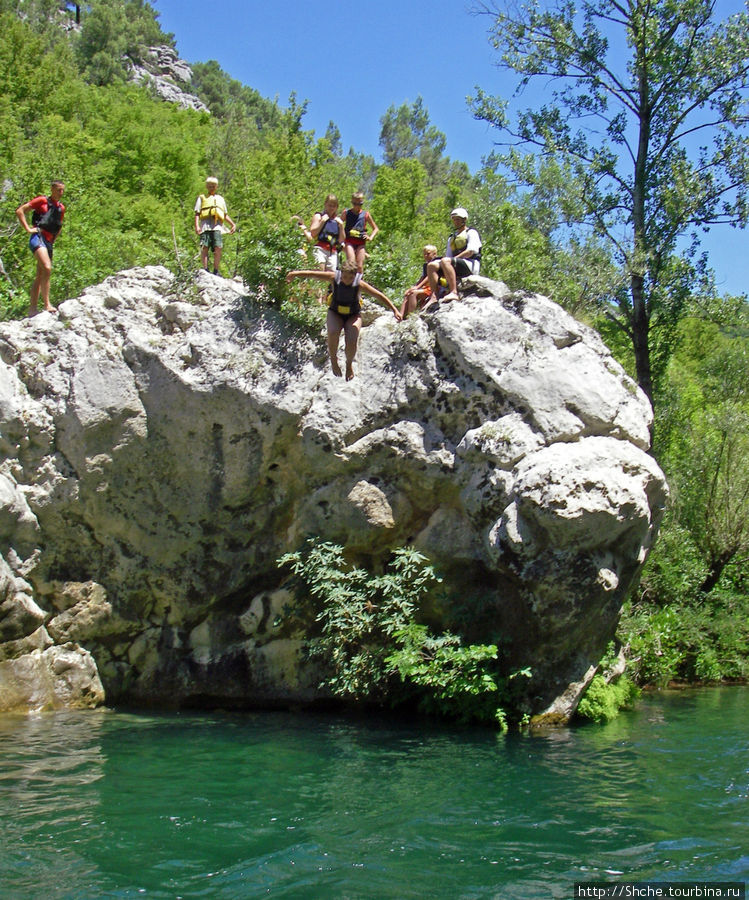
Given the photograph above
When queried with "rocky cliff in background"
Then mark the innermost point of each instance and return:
(168, 75)
(159, 455)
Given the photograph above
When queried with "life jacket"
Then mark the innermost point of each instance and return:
(51, 219)
(345, 297)
(209, 206)
(356, 225)
(329, 235)
(459, 241)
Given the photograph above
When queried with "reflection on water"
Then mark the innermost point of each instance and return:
(103, 804)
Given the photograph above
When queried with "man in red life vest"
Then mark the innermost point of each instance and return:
(46, 222)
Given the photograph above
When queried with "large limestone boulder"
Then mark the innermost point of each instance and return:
(160, 452)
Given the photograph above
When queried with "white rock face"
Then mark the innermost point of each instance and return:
(169, 76)
(159, 455)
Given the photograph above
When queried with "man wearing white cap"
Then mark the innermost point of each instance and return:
(463, 256)
(210, 215)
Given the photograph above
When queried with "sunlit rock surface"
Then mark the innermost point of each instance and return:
(160, 450)
(168, 75)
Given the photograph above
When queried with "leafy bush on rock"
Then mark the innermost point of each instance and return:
(374, 647)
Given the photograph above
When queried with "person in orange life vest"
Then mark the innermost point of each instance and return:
(463, 257)
(210, 215)
(355, 228)
(344, 309)
(46, 222)
(326, 229)
(419, 294)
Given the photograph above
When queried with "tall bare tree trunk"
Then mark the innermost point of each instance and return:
(641, 251)
(640, 337)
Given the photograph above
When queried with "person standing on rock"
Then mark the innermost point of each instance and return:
(356, 222)
(210, 215)
(344, 309)
(462, 257)
(46, 222)
(326, 230)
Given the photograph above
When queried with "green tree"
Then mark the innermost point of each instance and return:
(406, 133)
(705, 445)
(370, 640)
(132, 167)
(45, 17)
(648, 117)
(228, 98)
(399, 196)
(690, 615)
(333, 137)
(115, 32)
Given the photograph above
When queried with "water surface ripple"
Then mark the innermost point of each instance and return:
(114, 805)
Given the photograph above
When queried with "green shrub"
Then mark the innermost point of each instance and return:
(307, 314)
(603, 700)
(706, 640)
(269, 253)
(373, 646)
(394, 267)
(14, 304)
(674, 570)
(454, 678)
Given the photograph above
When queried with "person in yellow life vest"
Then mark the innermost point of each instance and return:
(210, 216)
(462, 258)
(356, 221)
(326, 230)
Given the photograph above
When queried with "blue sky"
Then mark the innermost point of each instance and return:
(353, 61)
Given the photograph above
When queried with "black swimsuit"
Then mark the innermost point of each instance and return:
(345, 297)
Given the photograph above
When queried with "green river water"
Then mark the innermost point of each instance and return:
(110, 804)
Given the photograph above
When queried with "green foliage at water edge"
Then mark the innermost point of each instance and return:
(373, 645)
(603, 700)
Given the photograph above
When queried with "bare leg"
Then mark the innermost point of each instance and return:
(448, 270)
(216, 259)
(433, 273)
(352, 329)
(204, 256)
(335, 325)
(40, 284)
(361, 255)
(409, 303)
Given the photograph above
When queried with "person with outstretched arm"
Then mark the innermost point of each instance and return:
(344, 309)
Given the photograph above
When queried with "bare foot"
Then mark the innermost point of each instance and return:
(449, 297)
(349, 371)
(336, 368)
(50, 309)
